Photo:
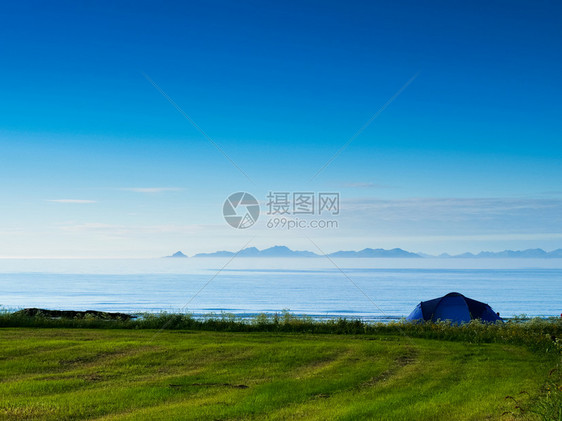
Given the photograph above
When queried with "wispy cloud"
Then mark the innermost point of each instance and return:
(133, 230)
(552, 192)
(480, 237)
(151, 189)
(76, 201)
(455, 216)
(90, 226)
(448, 207)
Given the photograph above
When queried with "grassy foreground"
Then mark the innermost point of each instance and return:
(127, 374)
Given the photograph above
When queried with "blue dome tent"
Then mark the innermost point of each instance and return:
(455, 307)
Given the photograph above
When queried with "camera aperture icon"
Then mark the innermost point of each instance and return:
(241, 210)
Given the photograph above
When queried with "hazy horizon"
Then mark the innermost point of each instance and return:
(198, 254)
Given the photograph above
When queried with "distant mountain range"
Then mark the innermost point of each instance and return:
(282, 251)
(374, 253)
(177, 254)
(276, 251)
(529, 253)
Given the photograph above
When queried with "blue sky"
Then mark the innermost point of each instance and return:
(94, 161)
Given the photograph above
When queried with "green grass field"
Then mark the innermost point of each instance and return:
(120, 374)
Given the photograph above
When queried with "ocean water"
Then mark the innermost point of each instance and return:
(366, 288)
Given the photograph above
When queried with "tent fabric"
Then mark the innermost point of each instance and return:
(454, 307)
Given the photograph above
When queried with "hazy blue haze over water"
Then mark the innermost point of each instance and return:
(312, 286)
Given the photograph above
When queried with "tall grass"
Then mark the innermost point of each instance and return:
(536, 333)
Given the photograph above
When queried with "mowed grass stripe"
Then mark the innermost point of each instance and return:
(122, 374)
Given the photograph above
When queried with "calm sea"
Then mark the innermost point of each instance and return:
(367, 288)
